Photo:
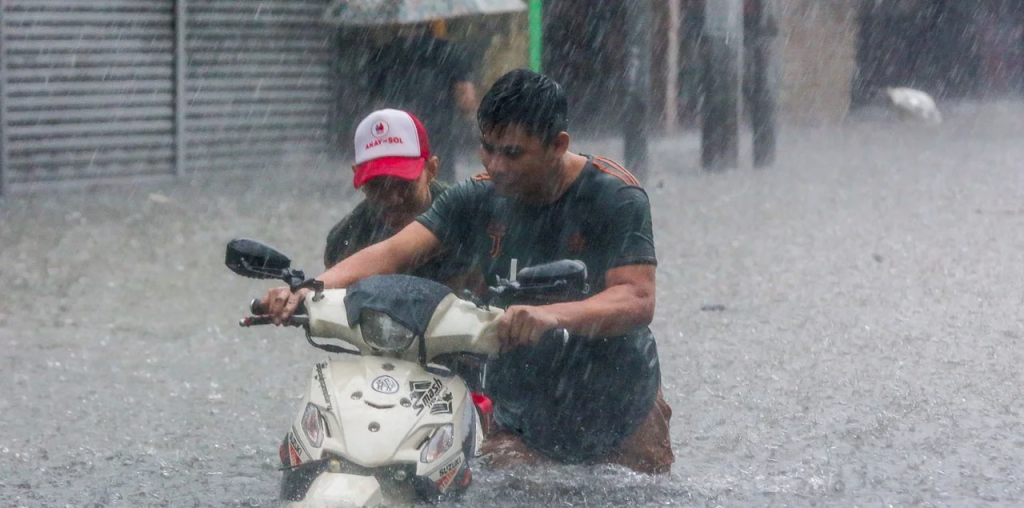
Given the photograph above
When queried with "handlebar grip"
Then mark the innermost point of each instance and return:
(256, 308)
(559, 334)
(255, 321)
(259, 310)
(246, 322)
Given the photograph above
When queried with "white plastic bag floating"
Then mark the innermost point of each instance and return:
(914, 103)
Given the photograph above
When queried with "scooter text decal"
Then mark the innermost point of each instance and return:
(296, 450)
(323, 384)
(443, 406)
(425, 394)
(447, 473)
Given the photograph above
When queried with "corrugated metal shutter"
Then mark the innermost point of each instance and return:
(259, 81)
(89, 88)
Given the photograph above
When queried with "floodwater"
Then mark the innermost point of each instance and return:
(866, 351)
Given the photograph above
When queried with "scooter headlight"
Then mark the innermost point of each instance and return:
(312, 425)
(439, 444)
(383, 333)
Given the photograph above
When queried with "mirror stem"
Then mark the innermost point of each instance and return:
(297, 280)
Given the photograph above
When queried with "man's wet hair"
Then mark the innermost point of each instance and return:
(527, 99)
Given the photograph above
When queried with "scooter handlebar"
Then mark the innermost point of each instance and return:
(259, 310)
(256, 308)
(250, 321)
(255, 321)
(260, 317)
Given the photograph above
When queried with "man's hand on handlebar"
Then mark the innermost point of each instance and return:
(280, 303)
(524, 325)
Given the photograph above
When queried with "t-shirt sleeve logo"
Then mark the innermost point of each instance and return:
(496, 232)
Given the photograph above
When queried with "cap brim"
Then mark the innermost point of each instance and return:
(399, 167)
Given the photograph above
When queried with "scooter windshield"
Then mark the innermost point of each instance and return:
(409, 300)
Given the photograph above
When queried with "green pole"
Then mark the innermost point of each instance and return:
(536, 34)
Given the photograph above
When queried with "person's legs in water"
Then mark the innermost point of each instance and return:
(649, 449)
(582, 402)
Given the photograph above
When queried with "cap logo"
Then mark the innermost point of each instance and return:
(388, 133)
(380, 129)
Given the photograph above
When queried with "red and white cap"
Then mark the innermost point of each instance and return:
(390, 142)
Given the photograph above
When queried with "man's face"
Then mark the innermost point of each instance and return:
(396, 199)
(520, 165)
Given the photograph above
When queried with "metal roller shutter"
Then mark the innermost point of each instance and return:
(259, 81)
(88, 89)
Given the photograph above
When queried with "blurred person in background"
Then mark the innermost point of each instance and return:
(417, 69)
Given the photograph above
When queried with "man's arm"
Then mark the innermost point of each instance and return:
(626, 304)
(408, 249)
(461, 72)
(465, 98)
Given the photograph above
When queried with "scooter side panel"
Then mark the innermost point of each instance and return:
(382, 410)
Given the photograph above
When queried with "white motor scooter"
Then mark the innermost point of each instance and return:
(388, 424)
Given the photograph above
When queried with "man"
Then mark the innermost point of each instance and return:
(421, 72)
(595, 398)
(397, 173)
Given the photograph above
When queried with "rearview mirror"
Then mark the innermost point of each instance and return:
(250, 258)
(566, 271)
(558, 281)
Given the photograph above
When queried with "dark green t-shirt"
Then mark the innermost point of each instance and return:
(579, 399)
(362, 227)
(603, 219)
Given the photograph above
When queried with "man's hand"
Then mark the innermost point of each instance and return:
(523, 325)
(281, 303)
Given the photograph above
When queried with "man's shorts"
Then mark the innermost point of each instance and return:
(579, 400)
(648, 450)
